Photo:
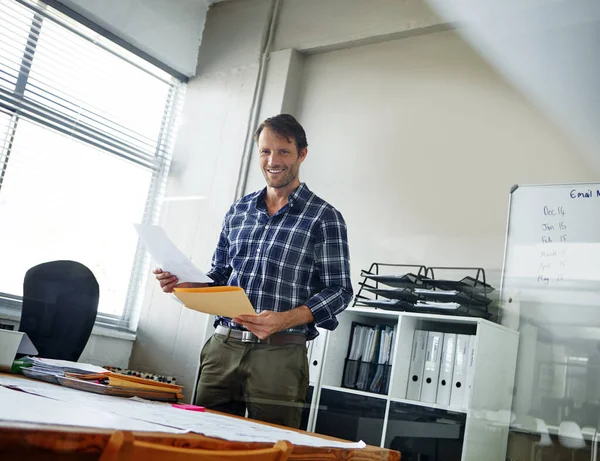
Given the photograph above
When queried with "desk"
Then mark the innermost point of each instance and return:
(28, 441)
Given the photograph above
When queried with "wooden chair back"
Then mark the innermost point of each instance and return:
(122, 446)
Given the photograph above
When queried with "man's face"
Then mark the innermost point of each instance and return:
(279, 158)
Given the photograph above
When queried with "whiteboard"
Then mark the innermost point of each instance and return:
(552, 253)
(550, 292)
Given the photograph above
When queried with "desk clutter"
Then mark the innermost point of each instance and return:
(142, 374)
(424, 293)
(42, 404)
(98, 380)
(441, 368)
(368, 363)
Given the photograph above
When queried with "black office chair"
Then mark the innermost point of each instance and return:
(60, 303)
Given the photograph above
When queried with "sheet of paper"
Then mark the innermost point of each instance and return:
(66, 365)
(211, 425)
(28, 408)
(168, 257)
(438, 305)
(436, 292)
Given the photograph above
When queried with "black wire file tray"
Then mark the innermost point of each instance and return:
(403, 294)
(467, 284)
(408, 280)
(417, 290)
(389, 304)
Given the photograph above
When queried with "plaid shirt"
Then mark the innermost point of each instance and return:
(297, 256)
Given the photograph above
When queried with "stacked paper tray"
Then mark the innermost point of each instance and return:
(409, 280)
(452, 296)
(421, 294)
(118, 391)
(467, 285)
(391, 304)
(403, 294)
(423, 307)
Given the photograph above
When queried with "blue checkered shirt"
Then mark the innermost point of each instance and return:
(297, 256)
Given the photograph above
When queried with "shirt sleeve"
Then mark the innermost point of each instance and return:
(332, 260)
(220, 269)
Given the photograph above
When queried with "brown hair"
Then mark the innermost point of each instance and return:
(287, 126)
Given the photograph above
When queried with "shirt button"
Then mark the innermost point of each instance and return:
(258, 250)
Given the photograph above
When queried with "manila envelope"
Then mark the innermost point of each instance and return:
(226, 301)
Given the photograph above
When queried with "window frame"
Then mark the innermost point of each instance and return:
(128, 320)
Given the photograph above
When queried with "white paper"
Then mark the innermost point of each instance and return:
(68, 366)
(27, 408)
(358, 341)
(438, 305)
(208, 424)
(168, 256)
(436, 292)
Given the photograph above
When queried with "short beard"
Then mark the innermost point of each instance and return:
(287, 183)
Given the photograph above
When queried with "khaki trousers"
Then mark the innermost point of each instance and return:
(269, 381)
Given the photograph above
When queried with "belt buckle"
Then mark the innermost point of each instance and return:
(249, 337)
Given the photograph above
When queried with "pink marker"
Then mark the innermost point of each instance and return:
(185, 406)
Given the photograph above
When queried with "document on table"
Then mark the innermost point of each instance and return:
(27, 408)
(55, 365)
(168, 256)
(158, 417)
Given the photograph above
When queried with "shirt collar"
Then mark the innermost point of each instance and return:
(299, 197)
(296, 200)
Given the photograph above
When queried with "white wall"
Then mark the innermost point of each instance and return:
(206, 163)
(105, 347)
(416, 140)
(170, 31)
(211, 139)
(318, 25)
(108, 348)
(547, 49)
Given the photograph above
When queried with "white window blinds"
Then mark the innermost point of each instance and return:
(86, 133)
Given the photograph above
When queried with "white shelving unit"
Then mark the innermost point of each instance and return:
(355, 392)
(429, 405)
(486, 412)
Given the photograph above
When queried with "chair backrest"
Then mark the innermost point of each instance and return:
(542, 428)
(122, 446)
(570, 435)
(60, 303)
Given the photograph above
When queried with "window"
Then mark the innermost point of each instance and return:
(86, 129)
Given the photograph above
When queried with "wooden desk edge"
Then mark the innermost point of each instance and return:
(69, 439)
(22, 436)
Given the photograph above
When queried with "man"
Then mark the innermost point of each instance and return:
(288, 250)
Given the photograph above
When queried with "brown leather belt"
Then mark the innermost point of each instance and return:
(276, 339)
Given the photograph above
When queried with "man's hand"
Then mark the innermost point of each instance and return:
(168, 281)
(266, 323)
